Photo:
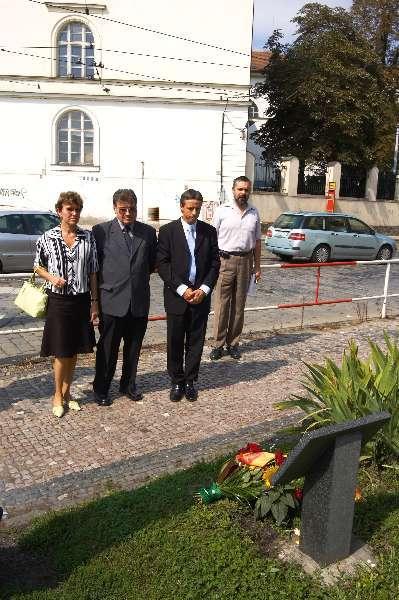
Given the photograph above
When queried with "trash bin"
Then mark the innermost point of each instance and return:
(153, 214)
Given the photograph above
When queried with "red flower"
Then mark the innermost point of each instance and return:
(298, 494)
(251, 447)
(279, 458)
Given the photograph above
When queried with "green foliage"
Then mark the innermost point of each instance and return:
(329, 96)
(243, 484)
(379, 20)
(353, 390)
(277, 501)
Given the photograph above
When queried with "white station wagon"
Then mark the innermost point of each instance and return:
(320, 237)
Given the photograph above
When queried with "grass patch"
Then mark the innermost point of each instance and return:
(158, 543)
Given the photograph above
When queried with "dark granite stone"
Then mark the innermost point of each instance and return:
(329, 460)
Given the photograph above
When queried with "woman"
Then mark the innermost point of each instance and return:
(66, 258)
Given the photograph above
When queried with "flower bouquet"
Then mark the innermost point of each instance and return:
(247, 477)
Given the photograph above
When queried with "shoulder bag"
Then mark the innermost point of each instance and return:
(32, 298)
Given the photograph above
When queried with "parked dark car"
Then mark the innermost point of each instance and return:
(320, 237)
(19, 230)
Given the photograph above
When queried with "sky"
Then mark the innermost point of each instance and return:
(276, 14)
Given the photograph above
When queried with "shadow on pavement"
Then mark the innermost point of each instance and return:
(212, 374)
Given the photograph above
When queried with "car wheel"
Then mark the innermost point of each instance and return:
(384, 253)
(321, 254)
(1, 267)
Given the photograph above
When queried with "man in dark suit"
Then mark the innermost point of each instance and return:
(126, 252)
(188, 262)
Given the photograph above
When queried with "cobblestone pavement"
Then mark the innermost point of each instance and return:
(48, 463)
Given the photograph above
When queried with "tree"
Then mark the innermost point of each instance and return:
(379, 20)
(329, 98)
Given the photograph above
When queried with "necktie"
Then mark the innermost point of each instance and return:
(191, 247)
(128, 239)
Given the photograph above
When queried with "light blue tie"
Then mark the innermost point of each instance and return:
(191, 246)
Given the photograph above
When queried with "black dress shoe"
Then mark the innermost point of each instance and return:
(216, 353)
(102, 399)
(176, 392)
(190, 392)
(234, 352)
(131, 393)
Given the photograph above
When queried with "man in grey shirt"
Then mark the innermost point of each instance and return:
(239, 239)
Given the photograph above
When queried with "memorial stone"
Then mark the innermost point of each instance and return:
(328, 458)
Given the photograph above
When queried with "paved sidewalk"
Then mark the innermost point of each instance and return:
(48, 463)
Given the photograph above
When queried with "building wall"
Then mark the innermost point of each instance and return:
(152, 116)
(226, 24)
(262, 105)
(179, 146)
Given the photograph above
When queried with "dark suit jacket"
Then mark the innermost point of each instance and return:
(173, 262)
(123, 278)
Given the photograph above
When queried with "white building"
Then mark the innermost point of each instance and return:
(146, 94)
(261, 174)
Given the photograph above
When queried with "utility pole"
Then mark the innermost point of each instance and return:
(395, 166)
(142, 190)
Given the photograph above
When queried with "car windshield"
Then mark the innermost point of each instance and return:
(288, 221)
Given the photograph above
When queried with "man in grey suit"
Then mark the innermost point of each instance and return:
(126, 252)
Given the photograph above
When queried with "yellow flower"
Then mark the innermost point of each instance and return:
(268, 474)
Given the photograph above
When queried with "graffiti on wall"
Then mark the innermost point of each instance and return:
(6, 192)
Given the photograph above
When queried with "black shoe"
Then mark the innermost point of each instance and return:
(216, 353)
(102, 399)
(190, 392)
(176, 392)
(131, 392)
(234, 352)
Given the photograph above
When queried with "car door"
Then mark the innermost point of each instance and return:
(15, 248)
(37, 224)
(365, 245)
(339, 238)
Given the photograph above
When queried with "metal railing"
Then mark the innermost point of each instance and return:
(313, 185)
(317, 301)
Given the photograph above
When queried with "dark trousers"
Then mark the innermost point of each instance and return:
(112, 331)
(186, 336)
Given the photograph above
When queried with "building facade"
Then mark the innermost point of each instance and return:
(147, 94)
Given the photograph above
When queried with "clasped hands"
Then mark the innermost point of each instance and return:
(194, 296)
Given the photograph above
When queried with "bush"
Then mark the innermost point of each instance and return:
(353, 390)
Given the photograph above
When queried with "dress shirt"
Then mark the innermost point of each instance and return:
(237, 231)
(193, 270)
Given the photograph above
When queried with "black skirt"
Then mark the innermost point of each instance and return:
(67, 330)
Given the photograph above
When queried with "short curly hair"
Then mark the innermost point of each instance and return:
(69, 198)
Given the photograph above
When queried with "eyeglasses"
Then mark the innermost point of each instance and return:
(123, 210)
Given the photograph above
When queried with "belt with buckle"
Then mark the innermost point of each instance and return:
(227, 255)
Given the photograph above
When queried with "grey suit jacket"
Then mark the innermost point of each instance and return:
(124, 280)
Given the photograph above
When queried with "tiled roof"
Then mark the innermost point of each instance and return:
(259, 60)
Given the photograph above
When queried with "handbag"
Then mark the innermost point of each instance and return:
(32, 298)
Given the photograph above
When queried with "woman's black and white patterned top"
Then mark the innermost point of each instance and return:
(72, 264)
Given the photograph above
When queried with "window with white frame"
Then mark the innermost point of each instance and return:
(75, 47)
(75, 139)
(253, 111)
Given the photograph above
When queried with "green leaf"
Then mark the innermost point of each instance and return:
(288, 500)
(279, 512)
